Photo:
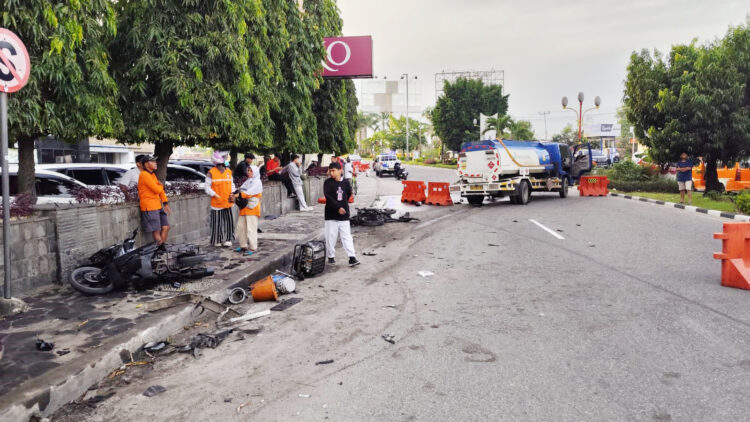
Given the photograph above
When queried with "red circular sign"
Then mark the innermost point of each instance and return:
(15, 65)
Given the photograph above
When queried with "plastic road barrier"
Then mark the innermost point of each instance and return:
(593, 186)
(735, 255)
(438, 194)
(413, 191)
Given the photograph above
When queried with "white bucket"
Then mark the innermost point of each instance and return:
(285, 285)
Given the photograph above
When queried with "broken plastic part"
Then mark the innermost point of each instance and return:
(44, 346)
(424, 274)
(287, 304)
(390, 338)
(154, 390)
(324, 362)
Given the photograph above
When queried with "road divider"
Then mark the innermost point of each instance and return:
(735, 255)
(438, 194)
(413, 192)
(593, 186)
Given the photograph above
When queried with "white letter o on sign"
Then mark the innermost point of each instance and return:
(346, 59)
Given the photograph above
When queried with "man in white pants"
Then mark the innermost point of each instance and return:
(294, 173)
(337, 193)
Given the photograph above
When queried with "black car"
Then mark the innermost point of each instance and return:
(202, 166)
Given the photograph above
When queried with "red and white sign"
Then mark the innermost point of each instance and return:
(348, 57)
(15, 65)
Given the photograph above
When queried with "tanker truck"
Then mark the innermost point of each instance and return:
(498, 168)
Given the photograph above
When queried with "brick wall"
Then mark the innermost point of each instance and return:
(46, 248)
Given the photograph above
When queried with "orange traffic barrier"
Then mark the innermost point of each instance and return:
(593, 186)
(438, 194)
(413, 191)
(264, 290)
(735, 255)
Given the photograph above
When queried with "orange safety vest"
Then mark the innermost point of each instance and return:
(221, 183)
(251, 211)
(150, 192)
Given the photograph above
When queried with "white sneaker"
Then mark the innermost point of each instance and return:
(227, 243)
(306, 209)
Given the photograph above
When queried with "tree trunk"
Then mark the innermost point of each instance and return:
(26, 170)
(163, 150)
(711, 177)
(233, 153)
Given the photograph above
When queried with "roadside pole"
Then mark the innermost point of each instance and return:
(6, 190)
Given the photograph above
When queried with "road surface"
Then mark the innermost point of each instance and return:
(565, 309)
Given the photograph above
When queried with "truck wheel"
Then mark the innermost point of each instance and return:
(475, 200)
(524, 193)
(564, 188)
(513, 199)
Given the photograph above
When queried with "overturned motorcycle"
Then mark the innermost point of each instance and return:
(378, 217)
(117, 266)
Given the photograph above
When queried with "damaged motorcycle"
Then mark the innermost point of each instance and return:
(120, 265)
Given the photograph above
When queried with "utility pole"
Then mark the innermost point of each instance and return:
(545, 113)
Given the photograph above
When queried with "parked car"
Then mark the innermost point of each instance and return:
(107, 174)
(354, 158)
(201, 166)
(385, 163)
(606, 157)
(50, 187)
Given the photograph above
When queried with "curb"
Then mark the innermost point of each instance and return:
(56, 389)
(690, 208)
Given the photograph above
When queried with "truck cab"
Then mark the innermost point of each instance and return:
(501, 167)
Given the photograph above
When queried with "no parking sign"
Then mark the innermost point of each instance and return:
(14, 62)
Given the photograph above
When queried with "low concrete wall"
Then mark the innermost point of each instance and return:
(46, 248)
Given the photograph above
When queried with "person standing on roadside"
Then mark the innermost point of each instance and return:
(219, 186)
(294, 171)
(337, 193)
(153, 201)
(247, 225)
(685, 178)
(130, 178)
(349, 172)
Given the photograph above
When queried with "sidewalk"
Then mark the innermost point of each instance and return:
(94, 335)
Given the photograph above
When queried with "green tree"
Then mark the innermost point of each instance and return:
(568, 136)
(499, 124)
(462, 102)
(397, 133)
(520, 130)
(183, 71)
(695, 101)
(70, 93)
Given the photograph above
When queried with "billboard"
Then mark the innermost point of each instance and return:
(348, 57)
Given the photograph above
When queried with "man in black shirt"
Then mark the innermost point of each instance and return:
(337, 192)
(241, 170)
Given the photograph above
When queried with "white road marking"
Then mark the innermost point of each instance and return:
(550, 231)
(427, 223)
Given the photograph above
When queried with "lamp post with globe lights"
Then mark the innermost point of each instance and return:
(580, 112)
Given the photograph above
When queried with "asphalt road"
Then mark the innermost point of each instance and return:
(613, 313)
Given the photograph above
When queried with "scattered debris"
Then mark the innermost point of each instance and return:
(116, 373)
(390, 306)
(201, 302)
(63, 352)
(578, 225)
(390, 338)
(43, 346)
(250, 316)
(154, 390)
(228, 400)
(560, 230)
(247, 403)
(153, 346)
(425, 274)
(205, 341)
(93, 401)
(305, 396)
(81, 324)
(284, 285)
(264, 290)
(324, 362)
(283, 306)
(515, 221)
(492, 244)
(369, 253)
(271, 217)
(237, 295)
(591, 245)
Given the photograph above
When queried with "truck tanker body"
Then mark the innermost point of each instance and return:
(500, 167)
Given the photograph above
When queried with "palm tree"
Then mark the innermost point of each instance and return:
(498, 124)
(521, 130)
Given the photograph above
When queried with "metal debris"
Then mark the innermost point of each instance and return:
(287, 304)
(154, 390)
(390, 338)
(44, 346)
(324, 362)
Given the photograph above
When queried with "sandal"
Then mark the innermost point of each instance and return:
(241, 250)
(248, 253)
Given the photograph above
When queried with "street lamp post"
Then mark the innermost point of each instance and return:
(405, 76)
(580, 113)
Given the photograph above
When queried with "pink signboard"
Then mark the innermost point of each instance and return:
(348, 57)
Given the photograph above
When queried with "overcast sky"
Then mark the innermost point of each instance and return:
(547, 48)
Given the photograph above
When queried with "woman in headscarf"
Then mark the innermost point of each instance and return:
(247, 226)
(219, 186)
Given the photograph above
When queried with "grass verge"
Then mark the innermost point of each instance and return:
(725, 205)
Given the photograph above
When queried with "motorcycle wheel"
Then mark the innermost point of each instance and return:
(85, 280)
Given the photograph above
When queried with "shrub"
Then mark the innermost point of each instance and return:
(181, 188)
(662, 185)
(742, 202)
(20, 206)
(430, 161)
(627, 171)
(452, 161)
(98, 195)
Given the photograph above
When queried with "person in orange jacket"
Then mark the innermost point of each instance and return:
(247, 225)
(153, 200)
(219, 186)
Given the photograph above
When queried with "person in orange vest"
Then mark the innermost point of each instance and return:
(153, 200)
(219, 186)
(247, 226)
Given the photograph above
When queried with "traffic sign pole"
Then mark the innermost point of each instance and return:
(6, 189)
